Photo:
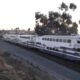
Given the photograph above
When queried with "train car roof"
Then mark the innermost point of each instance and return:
(62, 36)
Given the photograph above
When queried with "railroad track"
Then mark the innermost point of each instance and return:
(67, 63)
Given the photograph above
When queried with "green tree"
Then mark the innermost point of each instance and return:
(56, 22)
(72, 6)
(63, 6)
(73, 29)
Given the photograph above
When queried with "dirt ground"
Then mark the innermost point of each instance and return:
(19, 69)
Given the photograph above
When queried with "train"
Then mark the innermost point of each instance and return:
(67, 47)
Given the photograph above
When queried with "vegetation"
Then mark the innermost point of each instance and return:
(56, 23)
(13, 68)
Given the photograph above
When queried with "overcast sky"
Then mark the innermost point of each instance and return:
(21, 13)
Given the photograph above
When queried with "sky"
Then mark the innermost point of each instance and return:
(21, 13)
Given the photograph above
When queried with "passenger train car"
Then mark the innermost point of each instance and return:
(64, 46)
(11, 38)
(26, 40)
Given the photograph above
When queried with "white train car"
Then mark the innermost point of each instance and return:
(27, 40)
(11, 38)
(63, 46)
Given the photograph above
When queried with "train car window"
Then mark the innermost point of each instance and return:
(42, 38)
(38, 43)
(45, 39)
(13, 36)
(78, 42)
(69, 41)
(50, 39)
(48, 48)
(64, 40)
(51, 48)
(53, 39)
(56, 40)
(24, 37)
(60, 40)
